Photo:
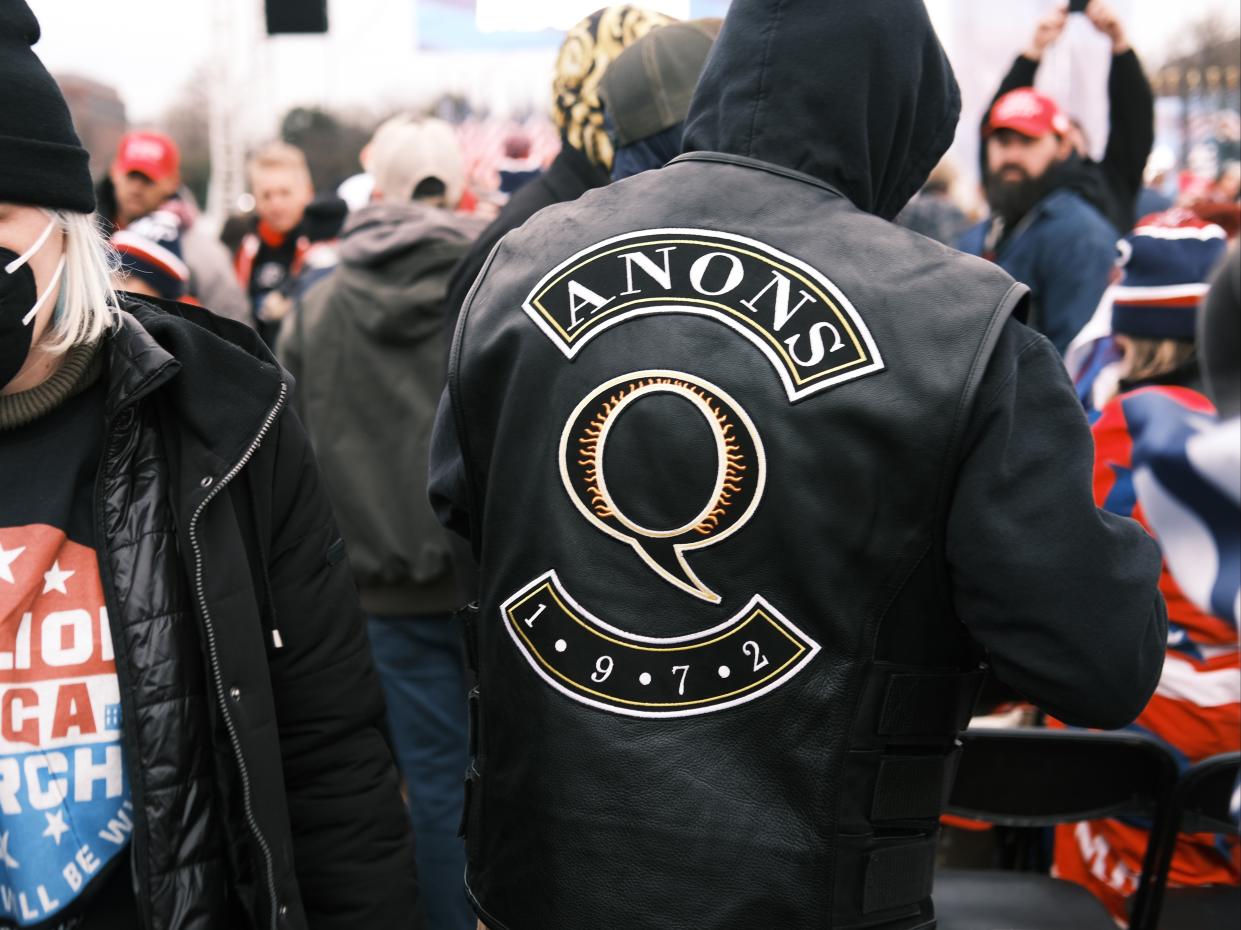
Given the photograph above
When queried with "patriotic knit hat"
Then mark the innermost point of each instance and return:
(1167, 261)
(150, 250)
(43, 163)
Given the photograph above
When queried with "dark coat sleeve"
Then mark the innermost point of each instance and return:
(1131, 110)
(351, 837)
(1063, 596)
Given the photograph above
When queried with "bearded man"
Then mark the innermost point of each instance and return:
(1041, 231)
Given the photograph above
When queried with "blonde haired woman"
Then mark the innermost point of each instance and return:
(190, 724)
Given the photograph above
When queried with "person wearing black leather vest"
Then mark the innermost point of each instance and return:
(757, 482)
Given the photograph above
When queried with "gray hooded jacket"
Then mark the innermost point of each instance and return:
(367, 350)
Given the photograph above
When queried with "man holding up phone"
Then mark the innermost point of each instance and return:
(1112, 184)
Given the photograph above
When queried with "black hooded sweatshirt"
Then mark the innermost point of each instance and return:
(915, 514)
(860, 95)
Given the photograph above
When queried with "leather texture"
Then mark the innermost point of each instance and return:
(781, 809)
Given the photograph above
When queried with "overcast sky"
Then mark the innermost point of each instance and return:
(149, 49)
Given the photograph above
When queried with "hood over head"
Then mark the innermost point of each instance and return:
(857, 94)
(395, 263)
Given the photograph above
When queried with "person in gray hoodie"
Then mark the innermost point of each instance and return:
(367, 350)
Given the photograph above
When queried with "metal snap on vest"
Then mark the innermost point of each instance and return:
(235, 693)
(283, 911)
(206, 482)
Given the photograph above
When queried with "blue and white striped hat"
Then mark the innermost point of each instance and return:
(1167, 262)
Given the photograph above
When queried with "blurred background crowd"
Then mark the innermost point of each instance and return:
(220, 86)
(237, 149)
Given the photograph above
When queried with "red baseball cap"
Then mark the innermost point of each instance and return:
(150, 153)
(1028, 112)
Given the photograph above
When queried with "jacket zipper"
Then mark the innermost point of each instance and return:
(214, 656)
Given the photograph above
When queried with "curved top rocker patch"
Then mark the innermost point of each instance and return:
(805, 326)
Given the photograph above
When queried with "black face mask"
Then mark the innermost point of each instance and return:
(19, 303)
(18, 293)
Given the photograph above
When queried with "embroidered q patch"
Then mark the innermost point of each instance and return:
(805, 326)
(740, 472)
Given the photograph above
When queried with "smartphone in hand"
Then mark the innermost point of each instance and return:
(1078, 6)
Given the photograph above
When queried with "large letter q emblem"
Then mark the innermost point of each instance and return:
(741, 472)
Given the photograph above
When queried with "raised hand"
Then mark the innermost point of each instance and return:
(1104, 18)
(1046, 32)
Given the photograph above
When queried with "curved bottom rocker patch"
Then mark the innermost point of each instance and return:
(597, 664)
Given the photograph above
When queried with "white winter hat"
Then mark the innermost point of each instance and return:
(405, 153)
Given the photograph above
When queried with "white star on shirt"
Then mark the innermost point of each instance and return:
(54, 578)
(55, 825)
(5, 858)
(6, 560)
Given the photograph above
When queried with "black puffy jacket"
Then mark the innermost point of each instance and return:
(264, 793)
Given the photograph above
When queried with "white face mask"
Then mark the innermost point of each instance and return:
(17, 263)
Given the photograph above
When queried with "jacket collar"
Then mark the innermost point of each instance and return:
(1060, 201)
(727, 158)
(214, 376)
(137, 364)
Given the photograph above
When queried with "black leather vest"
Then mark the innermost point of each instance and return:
(712, 418)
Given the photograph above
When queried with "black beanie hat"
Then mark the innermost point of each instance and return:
(42, 163)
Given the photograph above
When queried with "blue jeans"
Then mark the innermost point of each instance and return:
(421, 663)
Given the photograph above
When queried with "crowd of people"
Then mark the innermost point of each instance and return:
(365, 565)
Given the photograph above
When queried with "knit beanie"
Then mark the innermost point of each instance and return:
(42, 163)
(150, 250)
(1167, 261)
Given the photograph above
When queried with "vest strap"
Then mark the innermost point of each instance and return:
(898, 876)
(928, 704)
(911, 787)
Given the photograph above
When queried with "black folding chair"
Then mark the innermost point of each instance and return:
(1039, 778)
(1199, 805)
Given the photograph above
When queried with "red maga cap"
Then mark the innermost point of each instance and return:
(150, 153)
(1028, 112)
